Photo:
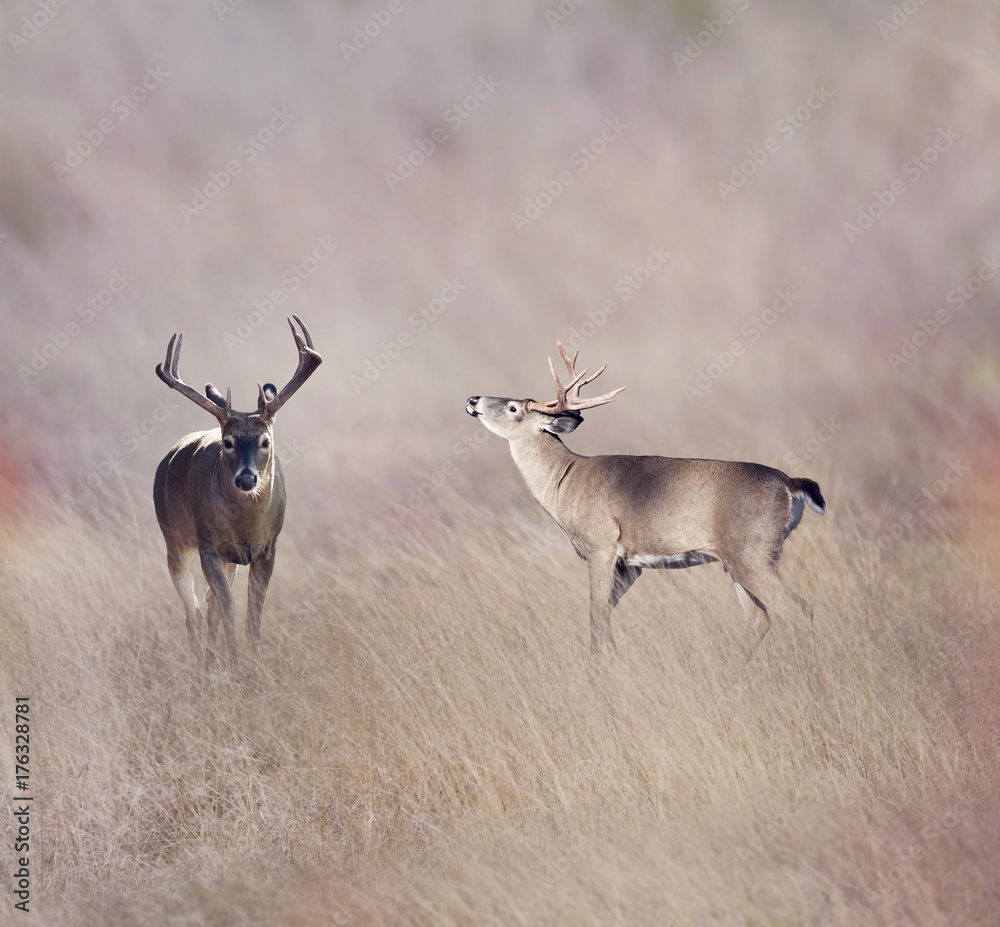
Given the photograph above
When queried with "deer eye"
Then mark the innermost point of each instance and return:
(265, 441)
(512, 408)
(228, 443)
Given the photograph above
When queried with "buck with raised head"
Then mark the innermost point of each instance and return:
(221, 494)
(625, 514)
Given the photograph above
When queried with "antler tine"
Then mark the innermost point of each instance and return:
(578, 379)
(570, 364)
(171, 377)
(560, 389)
(305, 331)
(580, 404)
(568, 397)
(309, 360)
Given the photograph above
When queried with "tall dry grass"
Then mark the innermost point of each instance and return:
(421, 739)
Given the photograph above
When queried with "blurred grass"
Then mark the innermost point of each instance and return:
(421, 740)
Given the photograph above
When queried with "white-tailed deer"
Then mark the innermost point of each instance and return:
(624, 514)
(222, 494)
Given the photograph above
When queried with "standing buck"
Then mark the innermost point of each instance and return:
(221, 494)
(625, 513)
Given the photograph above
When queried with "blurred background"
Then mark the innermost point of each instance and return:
(776, 222)
(122, 123)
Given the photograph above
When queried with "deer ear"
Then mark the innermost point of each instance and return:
(270, 391)
(215, 395)
(563, 423)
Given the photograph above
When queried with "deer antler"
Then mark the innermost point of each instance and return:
(167, 372)
(568, 397)
(309, 360)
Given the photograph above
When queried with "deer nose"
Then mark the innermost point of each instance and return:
(470, 406)
(246, 481)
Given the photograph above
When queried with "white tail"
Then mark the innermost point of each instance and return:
(624, 514)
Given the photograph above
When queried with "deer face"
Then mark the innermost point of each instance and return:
(511, 418)
(246, 449)
(246, 439)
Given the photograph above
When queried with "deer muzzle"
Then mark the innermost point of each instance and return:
(246, 480)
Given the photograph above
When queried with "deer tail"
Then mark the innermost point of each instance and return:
(808, 490)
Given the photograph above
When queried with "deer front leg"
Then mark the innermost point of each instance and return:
(260, 575)
(213, 609)
(602, 599)
(215, 570)
(179, 563)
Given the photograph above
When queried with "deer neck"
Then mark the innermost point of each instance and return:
(543, 461)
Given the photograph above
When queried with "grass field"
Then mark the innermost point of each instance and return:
(421, 738)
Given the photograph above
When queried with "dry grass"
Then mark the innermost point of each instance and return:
(422, 739)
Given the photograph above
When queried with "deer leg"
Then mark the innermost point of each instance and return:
(213, 609)
(753, 608)
(768, 591)
(260, 575)
(218, 581)
(180, 564)
(602, 587)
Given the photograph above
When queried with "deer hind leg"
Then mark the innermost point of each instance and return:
(219, 576)
(772, 596)
(213, 609)
(180, 563)
(756, 616)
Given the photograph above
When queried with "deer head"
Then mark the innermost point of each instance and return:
(247, 439)
(512, 418)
